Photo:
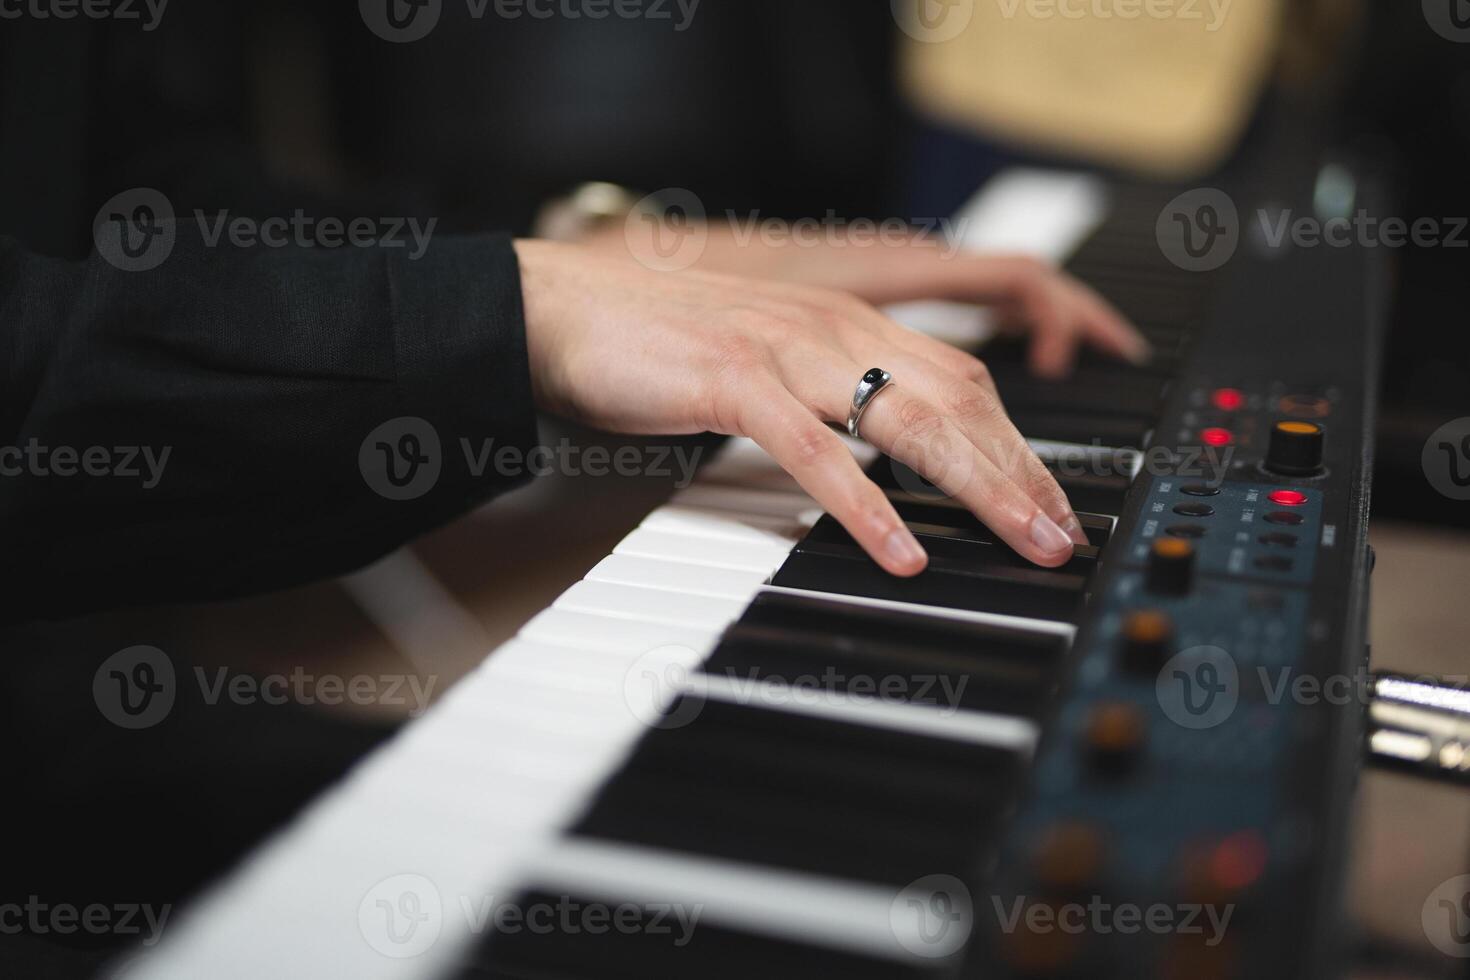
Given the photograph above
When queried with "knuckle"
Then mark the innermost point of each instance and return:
(812, 445)
(919, 420)
(970, 403)
(871, 510)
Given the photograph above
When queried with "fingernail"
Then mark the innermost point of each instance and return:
(903, 548)
(1048, 537)
(1073, 527)
(1141, 354)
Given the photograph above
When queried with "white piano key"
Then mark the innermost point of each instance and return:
(746, 556)
(724, 525)
(679, 577)
(1048, 626)
(743, 463)
(527, 658)
(1042, 213)
(591, 631)
(982, 728)
(763, 503)
(1123, 461)
(654, 605)
(804, 908)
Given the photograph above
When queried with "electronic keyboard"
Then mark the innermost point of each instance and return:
(737, 748)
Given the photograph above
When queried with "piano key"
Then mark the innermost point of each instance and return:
(653, 942)
(679, 577)
(1111, 430)
(704, 522)
(805, 923)
(937, 586)
(974, 666)
(621, 601)
(783, 505)
(980, 728)
(803, 784)
(1084, 392)
(743, 463)
(986, 579)
(1056, 627)
(1094, 459)
(740, 555)
(948, 512)
(589, 631)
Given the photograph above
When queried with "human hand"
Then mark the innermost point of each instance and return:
(631, 350)
(1030, 296)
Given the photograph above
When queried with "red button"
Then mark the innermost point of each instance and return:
(1287, 498)
(1217, 437)
(1228, 399)
(1238, 861)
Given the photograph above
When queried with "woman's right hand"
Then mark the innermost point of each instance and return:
(630, 350)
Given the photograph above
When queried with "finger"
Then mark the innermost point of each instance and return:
(921, 436)
(1105, 327)
(825, 468)
(979, 414)
(1054, 346)
(1034, 297)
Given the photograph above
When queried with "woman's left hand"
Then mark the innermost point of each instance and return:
(1060, 313)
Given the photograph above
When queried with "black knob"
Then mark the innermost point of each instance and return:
(1147, 642)
(1171, 566)
(1296, 448)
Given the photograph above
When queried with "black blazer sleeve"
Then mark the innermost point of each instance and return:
(223, 424)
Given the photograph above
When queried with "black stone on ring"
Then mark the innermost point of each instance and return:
(872, 383)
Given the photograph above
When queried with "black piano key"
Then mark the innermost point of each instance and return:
(937, 509)
(1123, 431)
(1012, 354)
(920, 659)
(660, 946)
(894, 630)
(965, 543)
(791, 751)
(1093, 496)
(820, 831)
(932, 587)
(1079, 395)
(783, 789)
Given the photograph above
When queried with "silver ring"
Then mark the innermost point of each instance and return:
(872, 383)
